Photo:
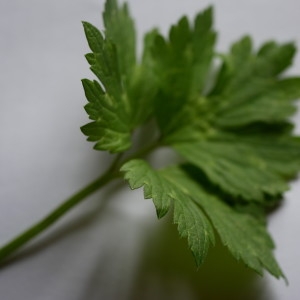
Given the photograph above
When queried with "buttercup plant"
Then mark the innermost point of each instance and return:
(229, 123)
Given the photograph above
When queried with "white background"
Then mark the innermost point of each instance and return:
(109, 251)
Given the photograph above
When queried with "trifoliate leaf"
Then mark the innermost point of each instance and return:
(244, 94)
(195, 209)
(230, 122)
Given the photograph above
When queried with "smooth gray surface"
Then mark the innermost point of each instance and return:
(97, 253)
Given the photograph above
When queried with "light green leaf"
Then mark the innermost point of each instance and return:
(108, 107)
(110, 128)
(123, 100)
(103, 61)
(119, 28)
(139, 173)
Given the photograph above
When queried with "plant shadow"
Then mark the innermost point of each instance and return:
(80, 222)
(168, 272)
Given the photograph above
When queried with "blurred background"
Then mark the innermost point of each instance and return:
(112, 249)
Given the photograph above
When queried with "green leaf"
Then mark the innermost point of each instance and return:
(230, 125)
(104, 61)
(248, 88)
(281, 155)
(143, 84)
(245, 237)
(138, 173)
(243, 63)
(260, 101)
(94, 37)
(234, 167)
(110, 128)
(108, 107)
(191, 221)
(196, 209)
(274, 58)
(271, 105)
(123, 100)
(119, 28)
(181, 64)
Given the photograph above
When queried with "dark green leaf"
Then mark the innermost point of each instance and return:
(244, 235)
(235, 168)
(192, 222)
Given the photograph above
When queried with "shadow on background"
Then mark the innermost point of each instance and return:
(54, 235)
(168, 272)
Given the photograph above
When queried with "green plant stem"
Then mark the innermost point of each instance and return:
(36, 229)
(112, 173)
